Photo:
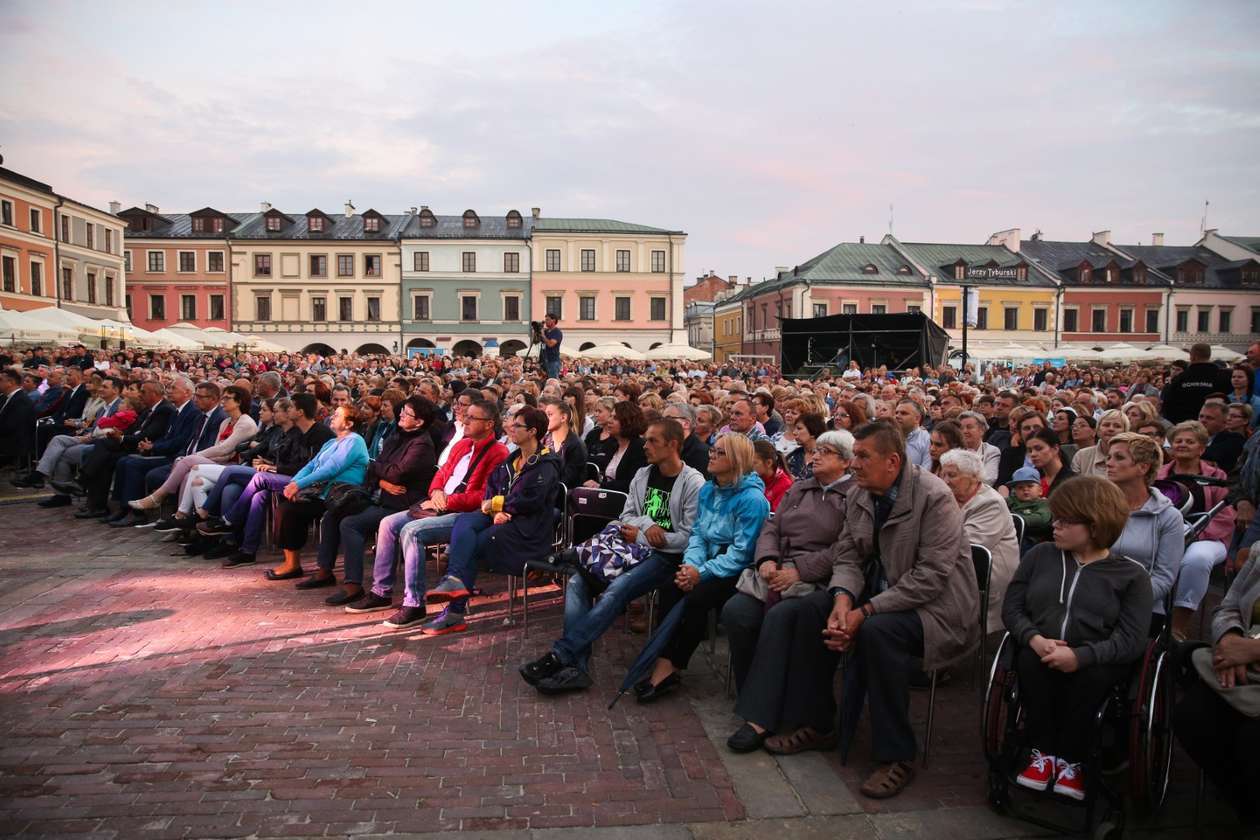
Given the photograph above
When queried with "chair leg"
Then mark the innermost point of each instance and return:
(927, 740)
(730, 673)
(511, 616)
(712, 633)
(525, 604)
(651, 614)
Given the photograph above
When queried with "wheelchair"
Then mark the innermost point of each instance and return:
(1135, 716)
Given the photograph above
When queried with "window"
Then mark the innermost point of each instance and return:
(130, 312)
(470, 219)
(262, 265)
(468, 308)
(876, 309)
(109, 290)
(36, 219)
(555, 306)
(319, 309)
(1152, 320)
(109, 241)
(1225, 318)
(371, 265)
(67, 284)
(214, 262)
(511, 262)
(848, 309)
(1098, 319)
(345, 265)
(319, 265)
(374, 309)
(216, 307)
(345, 309)
(1041, 320)
(10, 274)
(157, 307)
(621, 309)
(91, 287)
(949, 317)
(913, 308)
(870, 268)
(420, 261)
(752, 319)
(188, 307)
(91, 235)
(586, 308)
(1255, 318)
(553, 259)
(273, 225)
(658, 262)
(1010, 317)
(126, 260)
(6, 213)
(1126, 320)
(420, 307)
(658, 309)
(371, 224)
(1204, 319)
(820, 310)
(468, 262)
(37, 280)
(982, 318)
(623, 260)
(157, 261)
(199, 225)
(588, 259)
(187, 261)
(511, 308)
(262, 308)
(65, 228)
(1183, 320)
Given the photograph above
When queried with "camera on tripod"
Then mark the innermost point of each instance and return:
(536, 330)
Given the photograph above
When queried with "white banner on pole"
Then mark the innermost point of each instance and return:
(971, 306)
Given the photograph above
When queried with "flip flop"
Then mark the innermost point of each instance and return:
(270, 574)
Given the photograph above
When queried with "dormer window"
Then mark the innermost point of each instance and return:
(1086, 274)
(1251, 276)
(471, 220)
(1021, 272)
(199, 225)
(371, 224)
(1139, 274)
(513, 219)
(315, 224)
(273, 223)
(904, 271)
(427, 219)
(1111, 274)
(870, 268)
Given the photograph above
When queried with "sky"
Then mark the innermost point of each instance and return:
(769, 132)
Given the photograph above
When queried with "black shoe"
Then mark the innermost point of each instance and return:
(655, 692)
(568, 678)
(342, 598)
(405, 617)
(214, 527)
(70, 488)
(316, 582)
(368, 602)
(746, 740)
(128, 520)
(56, 501)
(220, 550)
(32, 481)
(240, 558)
(172, 523)
(541, 668)
(89, 513)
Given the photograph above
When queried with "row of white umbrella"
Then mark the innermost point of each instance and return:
(52, 325)
(1115, 354)
(614, 350)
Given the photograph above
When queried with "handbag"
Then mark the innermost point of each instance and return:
(607, 555)
(345, 499)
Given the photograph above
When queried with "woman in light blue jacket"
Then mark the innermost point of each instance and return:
(731, 510)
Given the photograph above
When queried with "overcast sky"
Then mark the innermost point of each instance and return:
(767, 131)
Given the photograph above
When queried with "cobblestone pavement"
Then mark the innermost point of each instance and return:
(146, 695)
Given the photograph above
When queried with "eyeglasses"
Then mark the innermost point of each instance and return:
(518, 426)
(468, 417)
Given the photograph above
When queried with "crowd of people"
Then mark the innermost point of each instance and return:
(825, 521)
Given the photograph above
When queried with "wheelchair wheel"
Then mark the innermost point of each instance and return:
(1108, 830)
(1000, 697)
(1151, 732)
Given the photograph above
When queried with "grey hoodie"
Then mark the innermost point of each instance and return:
(1154, 536)
(683, 500)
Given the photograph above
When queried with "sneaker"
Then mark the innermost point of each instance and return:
(172, 523)
(447, 621)
(240, 558)
(448, 590)
(220, 550)
(541, 668)
(1069, 782)
(370, 602)
(214, 527)
(1039, 772)
(405, 617)
(568, 678)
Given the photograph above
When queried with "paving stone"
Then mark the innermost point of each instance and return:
(805, 828)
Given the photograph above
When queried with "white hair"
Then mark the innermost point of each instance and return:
(840, 440)
(965, 461)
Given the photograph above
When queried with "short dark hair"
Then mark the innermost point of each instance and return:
(307, 404)
(813, 423)
(490, 407)
(886, 436)
(12, 375)
(212, 387)
(1047, 436)
(630, 419)
(765, 399)
(241, 394)
(423, 408)
(118, 381)
(671, 430)
(534, 419)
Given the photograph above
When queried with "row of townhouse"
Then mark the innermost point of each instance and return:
(1028, 291)
(376, 282)
(55, 251)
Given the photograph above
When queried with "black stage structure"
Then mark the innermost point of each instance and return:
(810, 345)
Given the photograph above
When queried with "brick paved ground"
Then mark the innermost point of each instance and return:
(150, 696)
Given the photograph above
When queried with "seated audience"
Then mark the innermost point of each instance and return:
(695, 451)
(946, 435)
(1046, 455)
(1026, 500)
(768, 464)
(805, 431)
(1154, 535)
(1092, 460)
(562, 438)
(622, 454)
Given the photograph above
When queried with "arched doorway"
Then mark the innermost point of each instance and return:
(467, 347)
(586, 345)
(321, 349)
(420, 342)
(371, 349)
(511, 347)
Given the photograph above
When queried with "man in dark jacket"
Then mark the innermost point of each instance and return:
(1184, 395)
(99, 463)
(17, 417)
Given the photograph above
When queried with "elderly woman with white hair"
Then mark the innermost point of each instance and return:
(986, 521)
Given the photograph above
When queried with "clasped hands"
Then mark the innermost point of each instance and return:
(842, 625)
(655, 535)
(1054, 653)
(779, 580)
(1230, 658)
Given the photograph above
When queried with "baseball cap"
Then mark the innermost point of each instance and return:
(1024, 474)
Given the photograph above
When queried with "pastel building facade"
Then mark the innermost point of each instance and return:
(91, 273)
(728, 327)
(465, 283)
(27, 242)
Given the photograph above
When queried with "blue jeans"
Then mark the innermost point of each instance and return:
(220, 498)
(248, 516)
(414, 534)
(585, 622)
(552, 366)
(469, 538)
(349, 533)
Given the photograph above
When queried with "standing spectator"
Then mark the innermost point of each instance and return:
(1184, 395)
(17, 418)
(552, 336)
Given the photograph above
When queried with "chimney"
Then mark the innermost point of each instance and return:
(152, 208)
(264, 206)
(1008, 239)
(1101, 237)
(861, 240)
(349, 209)
(779, 269)
(411, 211)
(1157, 239)
(114, 207)
(733, 279)
(536, 212)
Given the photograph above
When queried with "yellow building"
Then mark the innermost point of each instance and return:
(728, 327)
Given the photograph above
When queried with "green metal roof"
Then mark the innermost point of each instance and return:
(547, 225)
(859, 263)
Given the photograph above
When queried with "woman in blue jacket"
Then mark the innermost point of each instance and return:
(343, 459)
(731, 510)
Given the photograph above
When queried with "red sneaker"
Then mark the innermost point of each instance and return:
(1069, 781)
(1039, 772)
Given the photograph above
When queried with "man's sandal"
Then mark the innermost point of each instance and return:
(888, 781)
(805, 738)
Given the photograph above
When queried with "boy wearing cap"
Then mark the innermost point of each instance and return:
(1025, 500)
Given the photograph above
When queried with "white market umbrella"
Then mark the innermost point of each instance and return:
(202, 337)
(18, 326)
(679, 351)
(612, 351)
(262, 345)
(177, 340)
(1122, 353)
(1165, 353)
(1224, 354)
(1081, 353)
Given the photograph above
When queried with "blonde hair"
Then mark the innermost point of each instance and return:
(1192, 427)
(740, 452)
(1114, 414)
(1142, 450)
(1144, 408)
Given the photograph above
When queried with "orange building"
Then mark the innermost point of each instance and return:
(27, 247)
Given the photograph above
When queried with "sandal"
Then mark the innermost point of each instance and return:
(888, 780)
(805, 738)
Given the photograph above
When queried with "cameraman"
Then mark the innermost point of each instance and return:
(551, 338)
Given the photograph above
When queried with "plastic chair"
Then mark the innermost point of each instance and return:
(1019, 529)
